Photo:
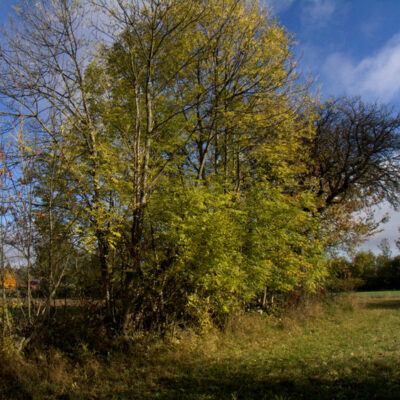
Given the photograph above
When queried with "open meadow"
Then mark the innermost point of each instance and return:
(346, 348)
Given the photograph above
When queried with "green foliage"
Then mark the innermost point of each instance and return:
(174, 180)
(282, 239)
(195, 135)
(365, 271)
(204, 259)
(363, 264)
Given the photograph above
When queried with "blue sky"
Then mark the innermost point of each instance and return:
(5, 9)
(348, 46)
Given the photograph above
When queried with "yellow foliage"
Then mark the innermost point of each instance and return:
(9, 281)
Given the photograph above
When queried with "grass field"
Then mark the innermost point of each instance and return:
(344, 350)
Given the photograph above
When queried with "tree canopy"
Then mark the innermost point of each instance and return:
(178, 169)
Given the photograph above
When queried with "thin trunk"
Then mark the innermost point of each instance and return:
(203, 160)
(264, 303)
(143, 169)
(238, 169)
(216, 154)
(225, 147)
(3, 277)
(28, 255)
(137, 155)
(50, 251)
(105, 274)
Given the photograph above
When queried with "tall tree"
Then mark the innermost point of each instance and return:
(204, 97)
(161, 110)
(355, 163)
(356, 152)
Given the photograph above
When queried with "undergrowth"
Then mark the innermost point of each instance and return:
(338, 348)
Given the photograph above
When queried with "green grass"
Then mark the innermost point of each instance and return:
(383, 293)
(346, 350)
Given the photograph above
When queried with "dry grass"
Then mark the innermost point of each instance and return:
(343, 349)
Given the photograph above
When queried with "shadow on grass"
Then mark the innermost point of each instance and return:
(377, 381)
(275, 379)
(244, 386)
(383, 305)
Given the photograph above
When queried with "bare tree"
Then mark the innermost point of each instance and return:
(356, 153)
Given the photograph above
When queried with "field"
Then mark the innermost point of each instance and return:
(343, 349)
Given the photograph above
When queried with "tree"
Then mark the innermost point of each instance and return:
(384, 247)
(43, 83)
(178, 107)
(363, 265)
(22, 235)
(215, 104)
(355, 164)
(5, 175)
(356, 153)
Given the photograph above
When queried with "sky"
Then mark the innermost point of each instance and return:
(5, 9)
(349, 47)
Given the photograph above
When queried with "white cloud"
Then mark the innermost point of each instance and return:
(318, 12)
(374, 77)
(313, 11)
(390, 230)
(278, 6)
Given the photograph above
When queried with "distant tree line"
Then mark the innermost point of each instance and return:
(366, 271)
